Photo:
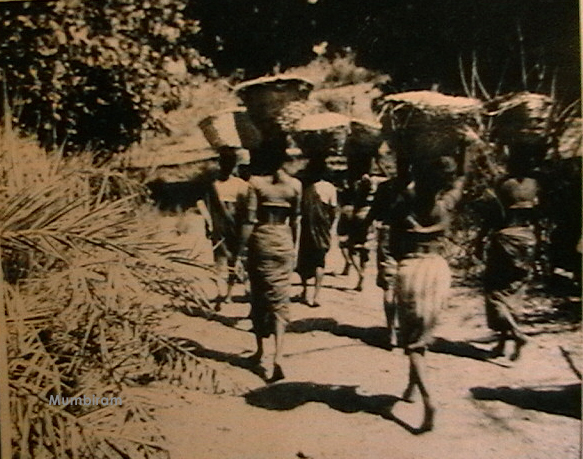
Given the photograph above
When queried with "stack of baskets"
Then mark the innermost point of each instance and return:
(423, 126)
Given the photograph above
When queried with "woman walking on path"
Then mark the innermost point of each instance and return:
(423, 277)
(510, 258)
(318, 213)
(224, 207)
(389, 210)
(274, 209)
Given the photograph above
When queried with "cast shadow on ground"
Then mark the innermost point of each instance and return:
(235, 360)
(564, 400)
(463, 349)
(209, 314)
(373, 336)
(244, 299)
(290, 395)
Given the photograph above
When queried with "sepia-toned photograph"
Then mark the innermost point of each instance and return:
(290, 229)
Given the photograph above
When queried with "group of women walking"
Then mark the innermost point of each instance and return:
(285, 225)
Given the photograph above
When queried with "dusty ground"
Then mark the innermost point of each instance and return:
(340, 378)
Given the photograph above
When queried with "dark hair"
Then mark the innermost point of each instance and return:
(523, 158)
(227, 159)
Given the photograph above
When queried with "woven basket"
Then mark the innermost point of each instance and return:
(266, 97)
(570, 142)
(364, 139)
(521, 118)
(322, 134)
(424, 124)
(230, 128)
(295, 111)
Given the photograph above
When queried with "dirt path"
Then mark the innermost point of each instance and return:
(340, 378)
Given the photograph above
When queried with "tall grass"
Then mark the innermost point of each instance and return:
(86, 285)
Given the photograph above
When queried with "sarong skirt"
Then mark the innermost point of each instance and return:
(509, 265)
(421, 291)
(270, 265)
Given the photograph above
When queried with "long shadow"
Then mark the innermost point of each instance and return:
(208, 314)
(246, 298)
(462, 349)
(373, 336)
(288, 396)
(564, 400)
(341, 288)
(235, 360)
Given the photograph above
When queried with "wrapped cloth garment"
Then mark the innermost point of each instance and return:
(226, 204)
(422, 288)
(509, 265)
(271, 260)
(386, 261)
(271, 251)
(343, 225)
(316, 224)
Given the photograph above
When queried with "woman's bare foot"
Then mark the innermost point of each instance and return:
(498, 350)
(519, 341)
(277, 374)
(429, 419)
(218, 304)
(255, 359)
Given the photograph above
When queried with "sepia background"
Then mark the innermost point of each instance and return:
(108, 285)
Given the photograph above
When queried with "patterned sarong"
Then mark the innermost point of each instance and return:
(422, 288)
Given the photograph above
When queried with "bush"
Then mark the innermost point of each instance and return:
(92, 75)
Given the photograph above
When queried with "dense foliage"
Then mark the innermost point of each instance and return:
(418, 43)
(92, 75)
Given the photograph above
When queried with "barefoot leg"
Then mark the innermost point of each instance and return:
(256, 358)
(279, 332)
(418, 364)
(390, 312)
(318, 285)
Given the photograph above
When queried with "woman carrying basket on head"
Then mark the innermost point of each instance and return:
(274, 209)
(319, 203)
(423, 277)
(224, 208)
(510, 258)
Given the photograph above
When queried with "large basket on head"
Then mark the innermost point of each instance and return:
(230, 128)
(322, 134)
(422, 126)
(266, 97)
(521, 118)
(365, 138)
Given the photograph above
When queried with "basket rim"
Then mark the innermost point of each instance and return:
(338, 120)
(368, 123)
(269, 80)
(512, 100)
(225, 111)
(433, 99)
